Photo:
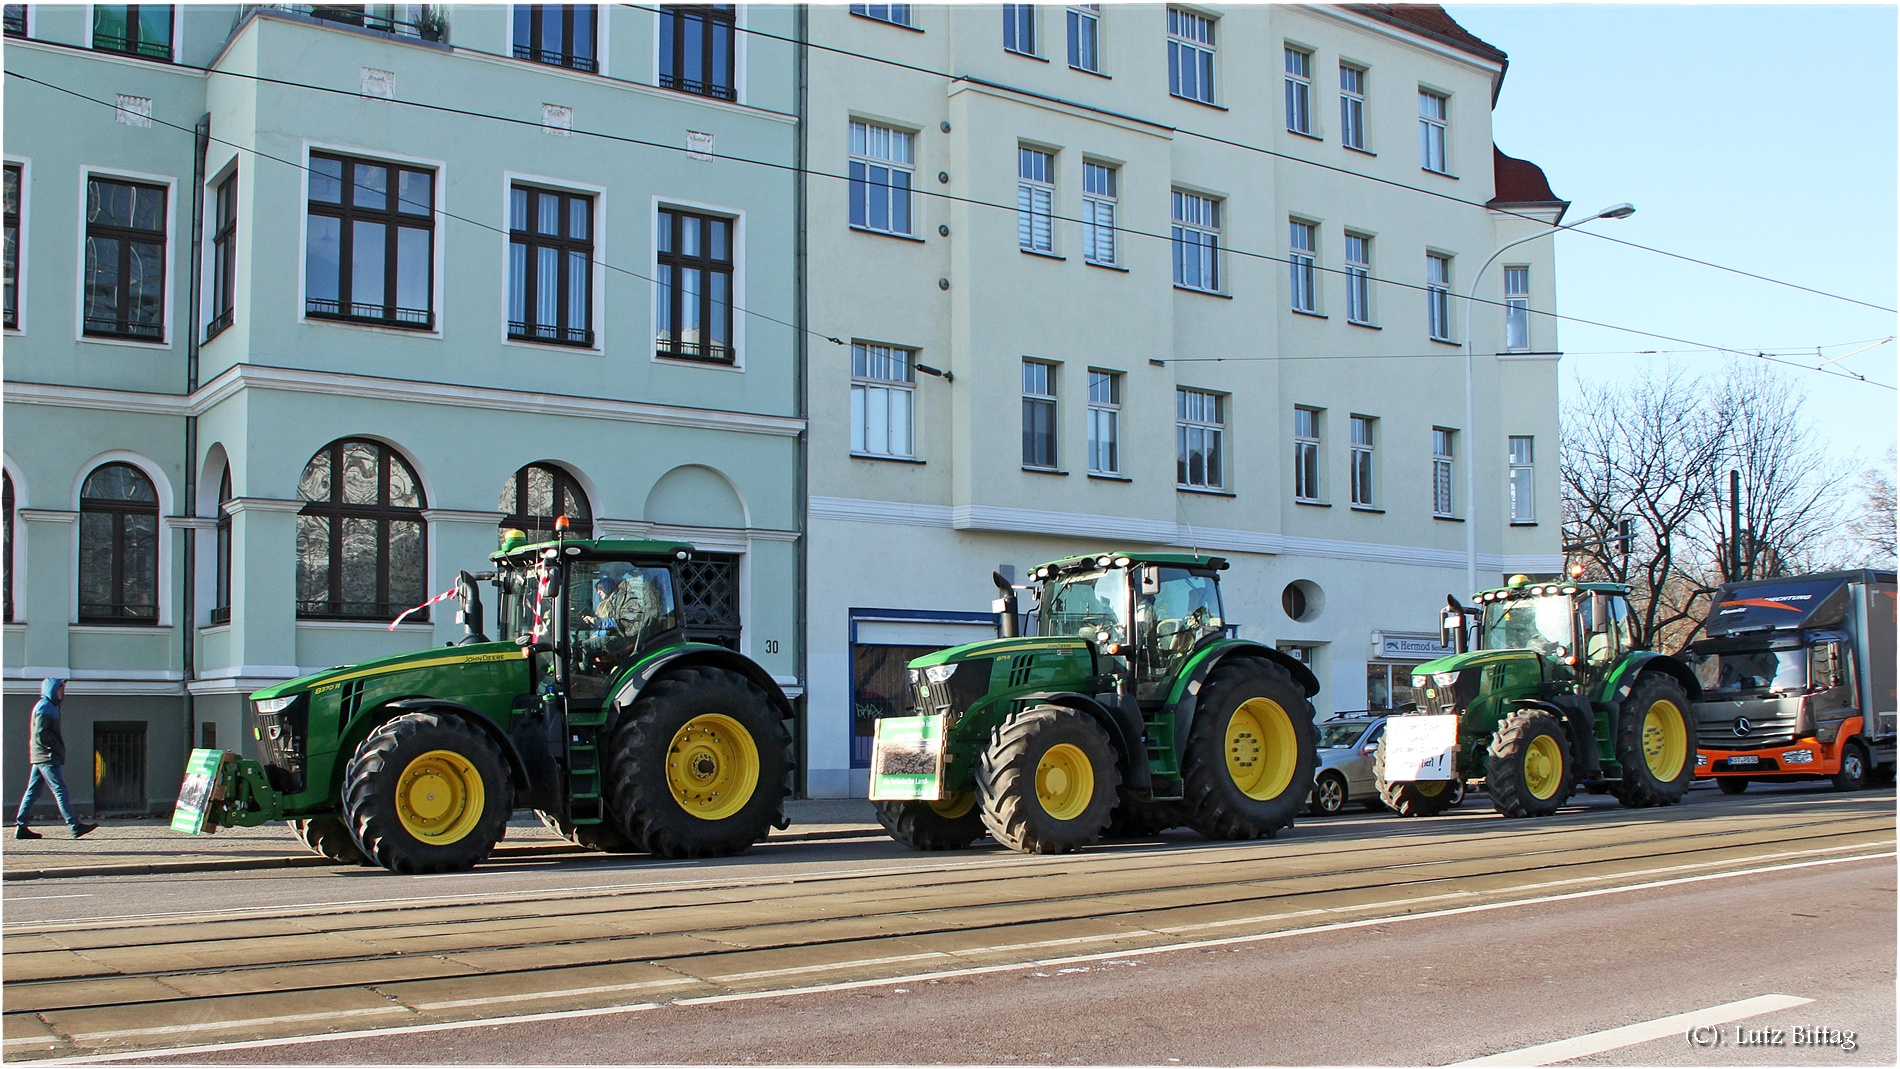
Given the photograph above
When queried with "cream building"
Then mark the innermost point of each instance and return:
(1163, 276)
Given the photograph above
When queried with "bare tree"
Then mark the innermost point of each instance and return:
(1790, 489)
(1870, 530)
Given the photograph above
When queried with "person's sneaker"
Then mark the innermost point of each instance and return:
(21, 831)
(82, 829)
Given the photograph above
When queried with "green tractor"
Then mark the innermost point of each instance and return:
(1554, 696)
(1132, 709)
(594, 708)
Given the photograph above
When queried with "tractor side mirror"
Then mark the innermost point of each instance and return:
(1150, 579)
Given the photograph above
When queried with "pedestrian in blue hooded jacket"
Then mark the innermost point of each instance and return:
(47, 754)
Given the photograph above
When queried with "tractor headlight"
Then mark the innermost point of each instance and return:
(1418, 682)
(938, 673)
(276, 705)
(1444, 679)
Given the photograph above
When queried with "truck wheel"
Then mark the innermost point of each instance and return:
(1141, 818)
(427, 792)
(950, 824)
(1424, 798)
(1250, 753)
(1046, 783)
(701, 766)
(603, 837)
(330, 838)
(1732, 784)
(1528, 772)
(1655, 744)
(1853, 773)
(1329, 795)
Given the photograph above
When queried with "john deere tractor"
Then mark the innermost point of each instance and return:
(1131, 710)
(1546, 693)
(594, 707)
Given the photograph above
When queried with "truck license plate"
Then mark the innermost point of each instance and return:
(1739, 762)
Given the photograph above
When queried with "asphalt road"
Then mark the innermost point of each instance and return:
(1353, 940)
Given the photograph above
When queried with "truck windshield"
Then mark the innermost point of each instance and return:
(1739, 671)
(1091, 605)
(1540, 623)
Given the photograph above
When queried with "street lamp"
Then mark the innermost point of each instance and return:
(1614, 211)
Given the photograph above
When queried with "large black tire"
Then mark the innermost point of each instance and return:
(1530, 748)
(1252, 711)
(603, 837)
(427, 792)
(1047, 756)
(951, 824)
(1731, 784)
(329, 837)
(1424, 798)
(1136, 817)
(707, 738)
(1854, 768)
(1329, 794)
(1655, 724)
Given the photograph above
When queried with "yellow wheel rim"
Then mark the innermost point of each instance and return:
(712, 767)
(1065, 781)
(1665, 740)
(1431, 788)
(440, 797)
(1262, 749)
(954, 806)
(1543, 767)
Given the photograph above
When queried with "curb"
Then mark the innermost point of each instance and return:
(502, 853)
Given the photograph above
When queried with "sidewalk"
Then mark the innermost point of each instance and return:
(148, 846)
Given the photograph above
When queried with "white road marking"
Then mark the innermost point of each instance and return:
(935, 955)
(1631, 1034)
(42, 898)
(572, 992)
(254, 1022)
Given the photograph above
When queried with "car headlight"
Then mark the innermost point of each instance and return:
(938, 673)
(276, 705)
(1444, 679)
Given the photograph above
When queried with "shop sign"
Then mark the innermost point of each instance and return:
(1409, 645)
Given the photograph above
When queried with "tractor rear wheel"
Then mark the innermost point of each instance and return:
(1046, 783)
(1529, 772)
(1250, 753)
(329, 837)
(1732, 784)
(950, 824)
(1655, 744)
(603, 837)
(1136, 817)
(427, 792)
(701, 766)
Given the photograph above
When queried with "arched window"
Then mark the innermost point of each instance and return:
(118, 547)
(361, 540)
(221, 606)
(6, 549)
(535, 495)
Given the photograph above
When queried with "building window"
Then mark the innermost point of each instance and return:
(1035, 199)
(1303, 246)
(694, 293)
(1362, 460)
(1199, 424)
(1190, 55)
(1196, 241)
(1098, 213)
(537, 495)
(896, 14)
(1388, 687)
(118, 547)
(880, 178)
(1019, 28)
(133, 29)
(1523, 483)
(1517, 309)
(696, 50)
(6, 547)
(125, 259)
(371, 252)
(13, 246)
(1443, 441)
(404, 20)
(1438, 296)
(1352, 107)
(1105, 422)
(15, 27)
(550, 266)
(1085, 37)
(1299, 90)
(361, 540)
(221, 600)
(1432, 109)
(1306, 454)
(709, 598)
(223, 257)
(883, 400)
(1039, 415)
(1358, 278)
(558, 34)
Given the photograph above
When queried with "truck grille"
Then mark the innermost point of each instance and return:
(283, 741)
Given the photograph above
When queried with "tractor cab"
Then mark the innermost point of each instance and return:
(1579, 631)
(1149, 614)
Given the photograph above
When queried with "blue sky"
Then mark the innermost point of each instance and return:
(1758, 137)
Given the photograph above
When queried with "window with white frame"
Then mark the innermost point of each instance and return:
(1523, 482)
(881, 162)
(898, 14)
(1105, 416)
(1306, 427)
(1444, 441)
(1302, 248)
(1190, 55)
(13, 171)
(1196, 241)
(1352, 106)
(1039, 415)
(1299, 90)
(1019, 28)
(1362, 428)
(1035, 199)
(1438, 296)
(1085, 37)
(1432, 112)
(1098, 213)
(1200, 424)
(1358, 278)
(1517, 309)
(883, 400)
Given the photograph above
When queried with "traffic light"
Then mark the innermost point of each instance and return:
(1625, 534)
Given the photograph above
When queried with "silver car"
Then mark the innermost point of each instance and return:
(1347, 745)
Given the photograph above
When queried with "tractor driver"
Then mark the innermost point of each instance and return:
(625, 610)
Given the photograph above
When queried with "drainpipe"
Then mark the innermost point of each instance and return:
(188, 612)
(801, 732)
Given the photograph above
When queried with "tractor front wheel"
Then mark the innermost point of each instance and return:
(1529, 772)
(1422, 798)
(1046, 783)
(1250, 753)
(1655, 744)
(329, 837)
(427, 792)
(950, 824)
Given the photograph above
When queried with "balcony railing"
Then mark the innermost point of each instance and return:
(424, 22)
